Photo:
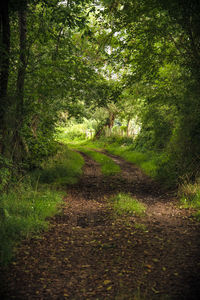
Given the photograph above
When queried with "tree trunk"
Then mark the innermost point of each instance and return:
(108, 124)
(18, 146)
(128, 127)
(4, 65)
(111, 120)
(22, 63)
(99, 132)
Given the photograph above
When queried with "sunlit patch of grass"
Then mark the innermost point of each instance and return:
(126, 204)
(148, 162)
(108, 166)
(156, 165)
(86, 144)
(91, 148)
(67, 135)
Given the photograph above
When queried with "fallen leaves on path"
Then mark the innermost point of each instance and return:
(90, 253)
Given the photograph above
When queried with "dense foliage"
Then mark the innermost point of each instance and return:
(134, 63)
(159, 47)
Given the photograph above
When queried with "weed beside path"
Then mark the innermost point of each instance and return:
(25, 207)
(92, 253)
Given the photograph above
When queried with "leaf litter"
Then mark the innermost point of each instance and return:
(89, 253)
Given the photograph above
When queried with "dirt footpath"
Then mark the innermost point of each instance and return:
(89, 253)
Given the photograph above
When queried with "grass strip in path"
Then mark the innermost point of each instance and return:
(108, 166)
(125, 204)
(147, 161)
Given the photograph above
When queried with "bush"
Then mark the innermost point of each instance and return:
(75, 136)
(38, 150)
(117, 139)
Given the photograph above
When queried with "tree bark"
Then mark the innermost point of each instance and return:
(22, 63)
(128, 127)
(18, 145)
(108, 124)
(4, 65)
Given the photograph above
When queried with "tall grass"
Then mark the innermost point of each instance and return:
(62, 169)
(24, 212)
(25, 208)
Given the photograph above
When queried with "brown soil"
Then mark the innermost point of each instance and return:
(89, 253)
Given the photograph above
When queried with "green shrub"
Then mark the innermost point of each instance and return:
(73, 135)
(117, 139)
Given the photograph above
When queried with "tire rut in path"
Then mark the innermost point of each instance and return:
(88, 254)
